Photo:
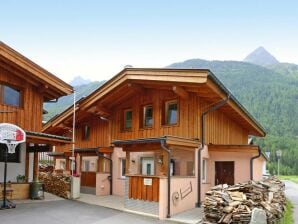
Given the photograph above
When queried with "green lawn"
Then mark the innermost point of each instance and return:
(288, 218)
(292, 178)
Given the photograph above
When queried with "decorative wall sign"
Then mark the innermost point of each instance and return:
(175, 198)
(186, 191)
(148, 181)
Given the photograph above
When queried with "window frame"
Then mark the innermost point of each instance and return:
(124, 128)
(143, 117)
(166, 109)
(121, 176)
(16, 88)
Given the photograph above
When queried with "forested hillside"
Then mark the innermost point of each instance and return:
(271, 96)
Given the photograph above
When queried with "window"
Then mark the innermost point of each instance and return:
(62, 165)
(11, 158)
(148, 166)
(204, 176)
(147, 116)
(89, 164)
(10, 96)
(86, 132)
(190, 168)
(171, 112)
(127, 119)
(122, 168)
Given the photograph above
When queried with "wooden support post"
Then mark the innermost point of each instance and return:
(127, 163)
(35, 167)
(164, 167)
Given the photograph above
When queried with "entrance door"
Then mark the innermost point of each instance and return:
(147, 166)
(88, 174)
(224, 173)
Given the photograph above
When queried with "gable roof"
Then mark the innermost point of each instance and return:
(201, 81)
(51, 86)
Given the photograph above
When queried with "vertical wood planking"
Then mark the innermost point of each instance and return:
(137, 189)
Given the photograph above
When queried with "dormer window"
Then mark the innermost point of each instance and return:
(10, 95)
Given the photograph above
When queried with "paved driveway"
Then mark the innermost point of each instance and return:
(292, 195)
(69, 212)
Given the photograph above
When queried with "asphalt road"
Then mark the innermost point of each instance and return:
(292, 195)
(69, 212)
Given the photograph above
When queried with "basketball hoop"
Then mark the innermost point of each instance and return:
(11, 147)
(11, 135)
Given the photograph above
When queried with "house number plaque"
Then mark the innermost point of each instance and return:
(148, 181)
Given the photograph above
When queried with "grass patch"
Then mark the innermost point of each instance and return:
(291, 178)
(288, 218)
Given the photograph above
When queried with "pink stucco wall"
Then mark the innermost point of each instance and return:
(118, 182)
(258, 165)
(241, 169)
(177, 183)
(102, 184)
(241, 163)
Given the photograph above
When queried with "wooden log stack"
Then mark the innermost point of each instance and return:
(234, 204)
(57, 184)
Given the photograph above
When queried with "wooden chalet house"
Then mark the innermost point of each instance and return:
(24, 87)
(160, 138)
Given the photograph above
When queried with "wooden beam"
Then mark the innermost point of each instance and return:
(136, 88)
(100, 110)
(180, 91)
(43, 88)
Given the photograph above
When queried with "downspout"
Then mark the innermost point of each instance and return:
(215, 107)
(162, 143)
(251, 163)
(111, 170)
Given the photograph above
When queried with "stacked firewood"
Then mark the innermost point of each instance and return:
(234, 204)
(56, 184)
(46, 168)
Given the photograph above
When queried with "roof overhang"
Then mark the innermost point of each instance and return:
(152, 144)
(56, 154)
(236, 149)
(48, 84)
(43, 138)
(131, 81)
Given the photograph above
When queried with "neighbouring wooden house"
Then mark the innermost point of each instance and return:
(24, 87)
(160, 138)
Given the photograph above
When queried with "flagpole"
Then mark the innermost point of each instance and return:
(73, 130)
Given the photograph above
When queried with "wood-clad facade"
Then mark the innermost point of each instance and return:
(24, 87)
(29, 114)
(220, 129)
(34, 86)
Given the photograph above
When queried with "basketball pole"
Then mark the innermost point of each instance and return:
(5, 176)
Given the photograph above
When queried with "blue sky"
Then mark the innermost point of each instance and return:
(96, 39)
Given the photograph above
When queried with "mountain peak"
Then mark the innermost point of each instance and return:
(78, 80)
(261, 56)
